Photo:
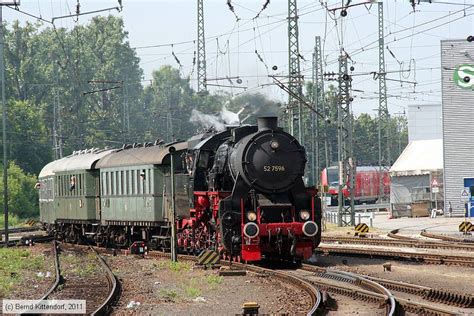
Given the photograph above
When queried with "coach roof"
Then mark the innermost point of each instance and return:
(153, 155)
(80, 160)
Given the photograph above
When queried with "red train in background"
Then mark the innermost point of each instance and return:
(366, 184)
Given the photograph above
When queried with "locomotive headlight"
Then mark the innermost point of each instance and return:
(304, 215)
(274, 145)
(251, 216)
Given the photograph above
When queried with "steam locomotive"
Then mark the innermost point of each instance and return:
(239, 191)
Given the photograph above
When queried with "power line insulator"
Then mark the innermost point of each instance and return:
(345, 77)
(466, 79)
(352, 68)
(275, 67)
(239, 81)
(470, 38)
(343, 12)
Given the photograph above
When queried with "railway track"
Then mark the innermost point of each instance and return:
(457, 240)
(398, 241)
(378, 291)
(81, 274)
(445, 297)
(26, 240)
(432, 258)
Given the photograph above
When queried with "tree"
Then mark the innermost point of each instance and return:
(27, 135)
(22, 195)
(43, 63)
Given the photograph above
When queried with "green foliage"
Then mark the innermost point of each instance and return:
(214, 279)
(192, 291)
(23, 197)
(169, 295)
(179, 266)
(14, 263)
(13, 220)
(47, 66)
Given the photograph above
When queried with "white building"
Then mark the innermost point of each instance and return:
(425, 122)
(457, 83)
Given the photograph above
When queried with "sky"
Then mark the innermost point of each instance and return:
(412, 41)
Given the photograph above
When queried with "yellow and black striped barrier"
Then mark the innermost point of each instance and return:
(361, 229)
(208, 258)
(31, 222)
(465, 227)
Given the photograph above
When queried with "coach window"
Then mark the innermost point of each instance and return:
(102, 183)
(119, 182)
(150, 182)
(118, 191)
(80, 184)
(112, 183)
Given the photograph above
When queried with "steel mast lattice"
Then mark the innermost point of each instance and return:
(201, 48)
(384, 116)
(294, 75)
(346, 215)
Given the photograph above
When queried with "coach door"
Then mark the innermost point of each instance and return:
(97, 197)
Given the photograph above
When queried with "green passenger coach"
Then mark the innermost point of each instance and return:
(132, 184)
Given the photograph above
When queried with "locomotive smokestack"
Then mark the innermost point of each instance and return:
(268, 122)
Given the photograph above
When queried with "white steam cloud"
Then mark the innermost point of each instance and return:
(225, 117)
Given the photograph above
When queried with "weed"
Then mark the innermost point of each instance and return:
(13, 265)
(192, 291)
(214, 279)
(89, 269)
(169, 295)
(179, 266)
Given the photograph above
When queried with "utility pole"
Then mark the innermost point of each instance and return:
(294, 75)
(174, 242)
(345, 150)
(384, 116)
(125, 110)
(201, 48)
(4, 121)
(315, 163)
(319, 105)
(58, 123)
(55, 128)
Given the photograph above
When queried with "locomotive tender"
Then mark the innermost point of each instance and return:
(239, 191)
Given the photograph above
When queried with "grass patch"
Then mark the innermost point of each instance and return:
(87, 270)
(214, 279)
(192, 291)
(13, 265)
(179, 266)
(13, 221)
(169, 295)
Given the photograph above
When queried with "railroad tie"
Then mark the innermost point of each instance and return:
(449, 298)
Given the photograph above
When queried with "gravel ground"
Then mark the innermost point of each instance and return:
(157, 287)
(32, 281)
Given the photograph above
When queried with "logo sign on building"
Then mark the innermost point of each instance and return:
(465, 195)
(464, 76)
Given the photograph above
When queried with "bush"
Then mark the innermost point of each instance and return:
(22, 195)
